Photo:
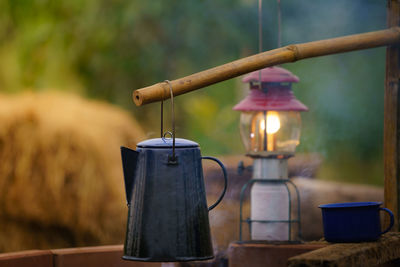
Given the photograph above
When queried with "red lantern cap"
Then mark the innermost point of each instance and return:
(274, 96)
(275, 99)
(271, 75)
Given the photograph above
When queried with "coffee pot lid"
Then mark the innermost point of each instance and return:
(167, 143)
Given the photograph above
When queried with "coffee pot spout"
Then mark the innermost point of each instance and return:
(129, 162)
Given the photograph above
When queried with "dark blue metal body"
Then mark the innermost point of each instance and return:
(168, 214)
(353, 222)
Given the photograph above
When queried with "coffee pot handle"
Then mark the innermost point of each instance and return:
(225, 180)
(391, 219)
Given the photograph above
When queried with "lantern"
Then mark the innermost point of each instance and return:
(270, 126)
(270, 121)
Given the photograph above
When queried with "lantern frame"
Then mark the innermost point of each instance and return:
(270, 92)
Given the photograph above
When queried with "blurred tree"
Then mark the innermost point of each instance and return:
(105, 49)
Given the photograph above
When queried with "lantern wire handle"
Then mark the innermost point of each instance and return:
(260, 43)
(260, 28)
(173, 159)
(162, 118)
(260, 32)
(279, 24)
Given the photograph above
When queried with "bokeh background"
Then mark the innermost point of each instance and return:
(102, 50)
(105, 49)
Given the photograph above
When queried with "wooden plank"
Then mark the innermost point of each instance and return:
(385, 250)
(391, 129)
(264, 254)
(29, 258)
(107, 256)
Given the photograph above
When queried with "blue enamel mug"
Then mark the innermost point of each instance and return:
(353, 221)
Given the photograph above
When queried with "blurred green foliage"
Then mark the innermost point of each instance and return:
(105, 49)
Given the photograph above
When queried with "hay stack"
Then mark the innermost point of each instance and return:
(61, 181)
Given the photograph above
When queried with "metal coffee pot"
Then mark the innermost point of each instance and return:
(168, 213)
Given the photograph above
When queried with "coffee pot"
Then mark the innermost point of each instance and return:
(168, 213)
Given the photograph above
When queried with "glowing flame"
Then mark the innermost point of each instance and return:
(273, 123)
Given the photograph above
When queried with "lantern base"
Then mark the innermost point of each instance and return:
(271, 203)
(270, 155)
(271, 234)
(270, 242)
(130, 258)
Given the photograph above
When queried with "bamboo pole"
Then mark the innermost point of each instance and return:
(290, 53)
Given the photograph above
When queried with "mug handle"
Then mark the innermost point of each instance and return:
(391, 219)
(225, 180)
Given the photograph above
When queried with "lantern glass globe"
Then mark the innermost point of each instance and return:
(268, 133)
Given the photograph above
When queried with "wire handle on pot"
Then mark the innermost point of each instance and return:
(173, 158)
